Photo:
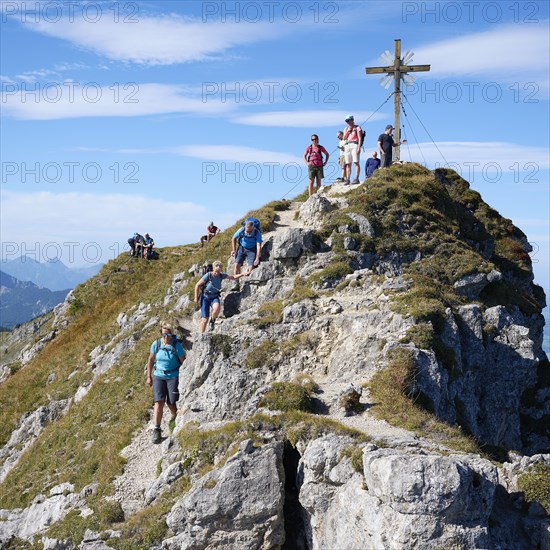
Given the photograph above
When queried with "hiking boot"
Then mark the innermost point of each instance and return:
(346, 182)
(157, 436)
(355, 181)
(339, 180)
(211, 323)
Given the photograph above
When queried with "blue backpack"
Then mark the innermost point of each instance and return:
(256, 222)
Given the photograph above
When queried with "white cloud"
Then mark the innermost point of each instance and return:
(155, 40)
(478, 156)
(506, 53)
(43, 224)
(235, 153)
(301, 119)
(59, 100)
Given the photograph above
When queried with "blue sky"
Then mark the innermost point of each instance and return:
(162, 116)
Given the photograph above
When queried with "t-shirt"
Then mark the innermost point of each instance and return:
(167, 364)
(246, 240)
(212, 229)
(371, 165)
(386, 141)
(315, 157)
(342, 146)
(213, 283)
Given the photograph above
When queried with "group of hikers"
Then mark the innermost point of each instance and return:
(167, 354)
(141, 246)
(350, 142)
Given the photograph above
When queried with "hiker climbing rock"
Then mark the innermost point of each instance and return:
(211, 232)
(247, 243)
(165, 359)
(209, 299)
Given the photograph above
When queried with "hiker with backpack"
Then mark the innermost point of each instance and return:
(354, 137)
(247, 244)
(165, 359)
(209, 287)
(135, 242)
(313, 157)
(148, 244)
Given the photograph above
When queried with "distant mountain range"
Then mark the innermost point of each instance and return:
(21, 301)
(53, 275)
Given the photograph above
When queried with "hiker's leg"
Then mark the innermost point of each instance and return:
(215, 308)
(173, 395)
(205, 313)
(157, 412)
(357, 169)
(318, 182)
(310, 187)
(173, 409)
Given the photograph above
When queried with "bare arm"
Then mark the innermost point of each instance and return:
(197, 287)
(150, 363)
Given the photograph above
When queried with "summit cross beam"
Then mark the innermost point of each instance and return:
(398, 70)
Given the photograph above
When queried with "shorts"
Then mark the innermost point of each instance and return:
(166, 389)
(350, 153)
(206, 303)
(315, 172)
(386, 159)
(248, 253)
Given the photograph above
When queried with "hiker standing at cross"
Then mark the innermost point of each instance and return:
(397, 71)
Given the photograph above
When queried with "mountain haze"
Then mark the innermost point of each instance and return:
(21, 301)
(54, 275)
(377, 382)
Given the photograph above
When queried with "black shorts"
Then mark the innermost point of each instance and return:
(166, 389)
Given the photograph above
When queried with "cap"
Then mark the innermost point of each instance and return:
(147, 234)
(349, 117)
(389, 127)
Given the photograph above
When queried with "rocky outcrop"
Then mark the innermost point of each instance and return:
(43, 512)
(237, 506)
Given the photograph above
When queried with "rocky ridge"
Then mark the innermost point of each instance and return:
(379, 486)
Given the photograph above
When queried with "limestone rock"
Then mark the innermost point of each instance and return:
(237, 506)
(291, 243)
(312, 212)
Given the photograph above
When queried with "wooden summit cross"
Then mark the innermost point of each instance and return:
(398, 70)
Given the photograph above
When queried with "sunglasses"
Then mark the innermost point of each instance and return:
(314, 139)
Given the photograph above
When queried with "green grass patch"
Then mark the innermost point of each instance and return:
(331, 274)
(394, 401)
(355, 454)
(288, 396)
(262, 355)
(535, 483)
(222, 344)
(269, 313)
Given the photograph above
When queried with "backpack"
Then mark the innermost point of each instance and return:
(319, 152)
(175, 341)
(203, 287)
(207, 268)
(255, 220)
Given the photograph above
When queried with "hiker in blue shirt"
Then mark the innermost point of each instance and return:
(148, 244)
(166, 356)
(249, 241)
(210, 297)
(372, 164)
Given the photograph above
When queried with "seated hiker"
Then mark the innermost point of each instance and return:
(211, 232)
(133, 242)
(372, 164)
(246, 243)
(165, 359)
(210, 296)
(148, 244)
